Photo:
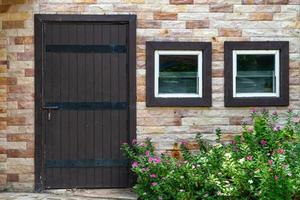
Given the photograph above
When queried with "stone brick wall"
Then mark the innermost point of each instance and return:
(158, 20)
(16, 94)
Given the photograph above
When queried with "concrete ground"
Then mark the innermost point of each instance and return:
(80, 194)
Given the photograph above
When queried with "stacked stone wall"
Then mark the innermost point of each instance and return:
(215, 21)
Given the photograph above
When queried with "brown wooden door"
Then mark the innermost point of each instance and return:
(85, 100)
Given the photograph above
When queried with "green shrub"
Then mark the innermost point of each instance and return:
(262, 163)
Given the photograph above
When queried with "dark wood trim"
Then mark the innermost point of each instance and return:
(153, 101)
(283, 100)
(40, 20)
(85, 18)
(38, 40)
(132, 83)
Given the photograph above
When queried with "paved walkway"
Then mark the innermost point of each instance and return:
(103, 194)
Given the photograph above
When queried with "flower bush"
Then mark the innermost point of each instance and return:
(262, 163)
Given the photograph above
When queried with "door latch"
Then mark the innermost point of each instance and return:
(49, 108)
(49, 115)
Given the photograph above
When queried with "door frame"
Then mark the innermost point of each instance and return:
(39, 21)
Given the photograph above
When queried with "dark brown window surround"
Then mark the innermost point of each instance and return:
(205, 100)
(282, 100)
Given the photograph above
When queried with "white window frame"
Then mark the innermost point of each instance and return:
(156, 73)
(256, 52)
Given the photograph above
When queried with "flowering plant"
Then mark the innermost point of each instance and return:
(262, 163)
(273, 172)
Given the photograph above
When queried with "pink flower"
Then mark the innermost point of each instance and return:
(134, 141)
(270, 162)
(276, 178)
(276, 128)
(135, 164)
(250, 129)
(150, 159)
(154, 160)
(249, 158)
(154, 184)
(145, 169)
(158, 160)
(275, 113)
(184, 142)
(253, 110)
(263, 142)
(142, 145)
(153, 176)
(147, 153)
(290, 109)
(280, 151)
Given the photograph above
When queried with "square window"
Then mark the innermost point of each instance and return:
(256, 73)
(178, 74)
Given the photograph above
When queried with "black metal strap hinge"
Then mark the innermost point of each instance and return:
(87, 163)
(86, 105)
(113, 48)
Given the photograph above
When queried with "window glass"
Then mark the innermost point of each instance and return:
(256, 73)
(178, 74)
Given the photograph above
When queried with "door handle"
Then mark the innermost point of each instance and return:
(49, 108)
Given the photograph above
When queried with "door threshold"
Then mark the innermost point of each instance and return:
(118, 194)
